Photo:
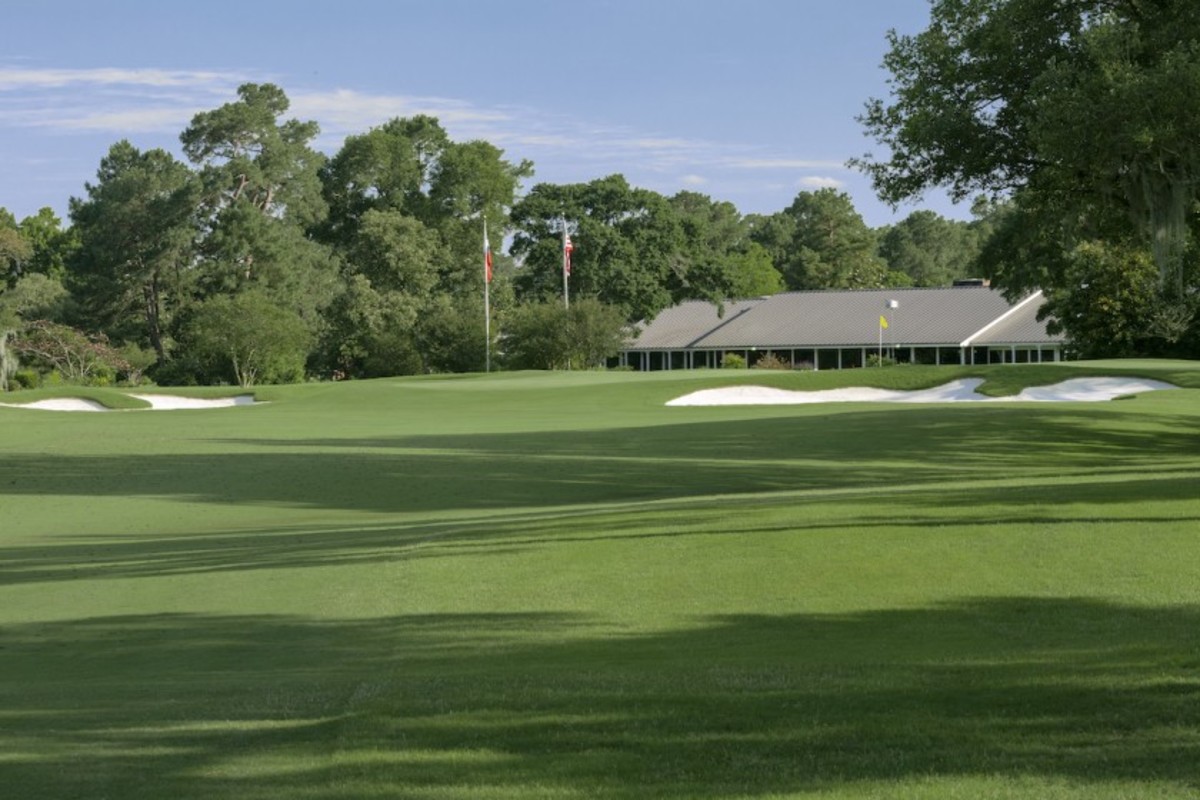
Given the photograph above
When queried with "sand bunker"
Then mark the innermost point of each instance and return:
(1074, 390)
(166, 402)
(158, 402)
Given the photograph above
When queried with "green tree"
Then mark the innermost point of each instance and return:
(8, 359)
(930, 249)
(252, 337)
(831, 246)
(262, 196)
(9, 325)
(52, 246)
(132, 267)
(390, 273)
(1087, 111)
(774, 233)
(630, 247)
(389, 168)
(397, 253)
(754, 273)
(450, 334)
(406, 208)
(722, 260)
(410, 168)
(15, 250)
(369, 332)
(247, 155)
(547, 335)
(1109, 296)
(36, 296)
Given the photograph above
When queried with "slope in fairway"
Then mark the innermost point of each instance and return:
(554, 586)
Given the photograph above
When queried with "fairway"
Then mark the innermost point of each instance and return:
(552, 585)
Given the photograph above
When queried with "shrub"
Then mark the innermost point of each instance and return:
(875, 360)
(138, 359)
(548, 336)
(80, 358)
(733, 361)
(26, 379)
(771, 361)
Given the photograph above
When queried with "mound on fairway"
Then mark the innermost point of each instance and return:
(1074, 390)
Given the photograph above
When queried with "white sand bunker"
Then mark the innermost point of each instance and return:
(60, 404)
(158, 402)
(1074, 390)
(167, 402)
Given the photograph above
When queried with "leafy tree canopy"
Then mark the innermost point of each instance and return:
(821, 242)
(409, 168)
(930, 249)
(627, 243)
(633, 248)
(247, 155)
(15, 249)
(252, 337)
(1092, 104)
(130, 268)
(548, 335)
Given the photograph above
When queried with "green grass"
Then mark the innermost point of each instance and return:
(552, 586)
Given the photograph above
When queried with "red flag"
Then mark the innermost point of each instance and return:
(487, 255)
(567, 248)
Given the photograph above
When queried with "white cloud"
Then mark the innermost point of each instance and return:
(820, 182)
(783, 163)
(147, 120)
(14, 78)
(694, 180)
(120, 101)
(347, 111)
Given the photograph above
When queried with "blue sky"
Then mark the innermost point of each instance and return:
(749, 101)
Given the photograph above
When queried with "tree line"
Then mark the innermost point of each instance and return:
(259, 259)
(1074, 126)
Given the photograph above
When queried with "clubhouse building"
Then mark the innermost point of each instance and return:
(964, 324)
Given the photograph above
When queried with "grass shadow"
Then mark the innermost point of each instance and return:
(538, 705)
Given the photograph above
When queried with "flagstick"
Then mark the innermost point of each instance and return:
(880, 341)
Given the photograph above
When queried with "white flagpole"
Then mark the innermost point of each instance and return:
(487, 302)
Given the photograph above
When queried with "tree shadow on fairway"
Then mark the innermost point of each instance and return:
(542, 705)
(1149, 504)
(693, 459)
(968, 434)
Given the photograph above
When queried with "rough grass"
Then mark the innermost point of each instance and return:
(552, 586)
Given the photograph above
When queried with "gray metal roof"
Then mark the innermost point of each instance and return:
(949, 317)
(678, 327)
(1020, 327)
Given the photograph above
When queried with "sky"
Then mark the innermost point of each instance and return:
(746, 101)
